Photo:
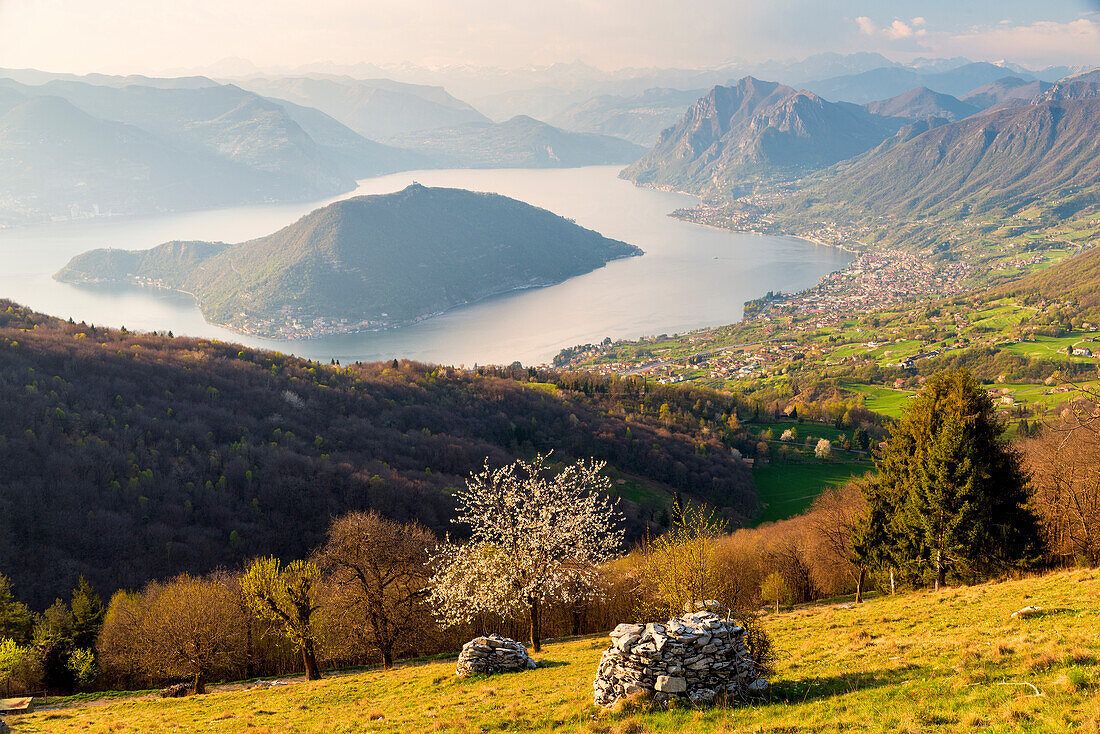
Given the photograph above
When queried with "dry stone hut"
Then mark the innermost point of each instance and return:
(696, 657)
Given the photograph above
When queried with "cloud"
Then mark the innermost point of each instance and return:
(898, 29)
(1076, 41)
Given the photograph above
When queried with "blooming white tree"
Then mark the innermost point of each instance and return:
(824, 449)
(536, 539)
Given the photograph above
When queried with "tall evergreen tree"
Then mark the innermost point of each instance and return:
(88, 612)
(951, 497)
(16, 620)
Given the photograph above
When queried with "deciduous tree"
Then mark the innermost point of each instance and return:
(1064, 461)
(831, 521)
(192, 627)
(537, 535)
(681, 567)
(289, 596)
(380, 570)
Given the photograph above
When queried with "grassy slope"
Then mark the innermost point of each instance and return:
(953, 661)
(883, 400)
(1076, 281)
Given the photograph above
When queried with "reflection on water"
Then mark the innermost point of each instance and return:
(690, 276)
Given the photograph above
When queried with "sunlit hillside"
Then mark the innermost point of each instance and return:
(953, 661)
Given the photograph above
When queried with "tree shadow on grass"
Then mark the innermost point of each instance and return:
(551, 663)
(816, 688)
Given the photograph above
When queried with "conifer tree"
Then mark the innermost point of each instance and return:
(951, 496)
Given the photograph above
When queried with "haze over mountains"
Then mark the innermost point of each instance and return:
(374, 108)
(522, 142)
(922, 103)
(134, 145)
(366, 262)
(70, 148)
(891, 81)
(639, 118)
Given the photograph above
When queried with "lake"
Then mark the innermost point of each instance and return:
(691, 276)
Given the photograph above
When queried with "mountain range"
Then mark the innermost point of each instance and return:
(1005, 159)
(107, 145)
(72, 149)
(1001, 90)
(365, 262)
(374, 108)
(58, 162)
(890, 81)
(922, 103)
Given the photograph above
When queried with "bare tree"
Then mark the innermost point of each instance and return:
(192, 627)
(380, 569)
(1064, 462)
(681, 567)
(288, 596)
(832, 520)
(119, 645)
(536, 538)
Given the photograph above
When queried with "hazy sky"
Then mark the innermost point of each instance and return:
(151, 36)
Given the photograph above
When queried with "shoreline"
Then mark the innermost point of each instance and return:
(350, 331)
(804, 238)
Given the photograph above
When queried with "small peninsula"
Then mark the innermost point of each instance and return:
(365, 263)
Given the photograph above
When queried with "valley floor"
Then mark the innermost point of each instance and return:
(953, 661)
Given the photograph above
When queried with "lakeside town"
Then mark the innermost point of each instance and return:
(824, 325)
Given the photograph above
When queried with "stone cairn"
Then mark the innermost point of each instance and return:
(492, 654)
(696, 657)
(177, 690)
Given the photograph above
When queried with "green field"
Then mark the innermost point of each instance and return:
(786, 490)
(999, 315)
(884, 400)
(1049, 347)
(953, 661)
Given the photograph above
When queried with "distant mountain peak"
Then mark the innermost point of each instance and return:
(920, 103)
(757, 128)
(1070, 89)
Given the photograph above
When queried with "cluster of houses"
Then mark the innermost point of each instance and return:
(874, 281)
(290, 326)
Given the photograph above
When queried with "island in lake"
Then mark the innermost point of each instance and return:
(365, 263)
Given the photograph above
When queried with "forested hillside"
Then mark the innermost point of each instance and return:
(134, 456)
(1077, 279)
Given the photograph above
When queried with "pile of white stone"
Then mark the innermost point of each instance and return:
(492, 654)
(698, 657)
